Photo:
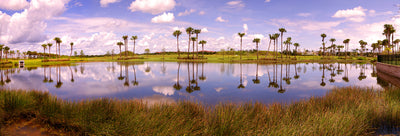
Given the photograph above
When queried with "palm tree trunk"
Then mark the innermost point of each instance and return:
(177, 45)
(44, 52)
(188, 46)
(120, 51)
(134, 45)
(257, 50)
(70, 54)
(266, 54)
(126, 46)
(240, 48)
(59, 49)
(202, 48)
(193, 50)
(197, 45)
(281, 44)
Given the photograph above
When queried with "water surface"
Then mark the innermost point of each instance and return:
(208, 83)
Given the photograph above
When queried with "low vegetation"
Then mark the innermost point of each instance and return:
(343, 111)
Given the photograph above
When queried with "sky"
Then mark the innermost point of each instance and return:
(95, 26)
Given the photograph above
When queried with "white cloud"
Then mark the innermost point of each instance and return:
(13, 4)
(163, 18)
(373, 13)
(235, 4)
(267, 1)
(204, 30)
(219, 19)
(186, 12)
(305, 24)
(30, 25)
(152, 6)
(202, 12)
(245, 28)
(104, 3)
(165, 90)
(356, 14)
(304, 14)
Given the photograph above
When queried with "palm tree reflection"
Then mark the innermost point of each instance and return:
(241, 78)
(126, 83)
(323, 76)
(177, 86)
(346, 73)
(189, 88)
(281, 90)
(202, 77)
(59, 82)
(256, 81)
(134, 82)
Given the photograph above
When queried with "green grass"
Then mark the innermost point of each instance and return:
(343, 111)
(214, 58)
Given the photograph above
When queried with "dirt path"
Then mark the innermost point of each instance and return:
(29, 128)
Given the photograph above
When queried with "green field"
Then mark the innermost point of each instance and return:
(214, 58)
(343, 111)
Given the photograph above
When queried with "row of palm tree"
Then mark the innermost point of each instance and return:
(4, 49)
(125, 38)
(387, 44)
(273, 37)
(194, 40)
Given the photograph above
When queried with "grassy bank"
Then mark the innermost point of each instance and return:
(215, 58)
(344, 111)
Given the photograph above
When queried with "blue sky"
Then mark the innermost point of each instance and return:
(96, 25)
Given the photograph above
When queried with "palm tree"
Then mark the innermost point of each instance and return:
(133, 38)
(346, 43)
(362, 45)
(202, 42)
(380, 44)
(44, 49)
(193, 40)
(6, 49)
(282, 30)
(396, 42)
(72, 45)
(241, 37)
(296, 45)
(332, 40)
(49, 45)
(58, 42)
(386, 43)
(340, 47)
(125, 37)
(323, 44)
(276, 36)
(197, 32)
(271, 37)
(1, 51)
(189, 31)
(388, 31)
(120, 44)
(256, 40)
(177, 33)
(288, 43)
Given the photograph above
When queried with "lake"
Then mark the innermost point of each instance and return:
(208, 83)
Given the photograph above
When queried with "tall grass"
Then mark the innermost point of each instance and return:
(343, 111)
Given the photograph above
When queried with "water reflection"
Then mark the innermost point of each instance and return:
(205, 82)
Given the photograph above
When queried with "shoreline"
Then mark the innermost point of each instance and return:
(173, 58)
